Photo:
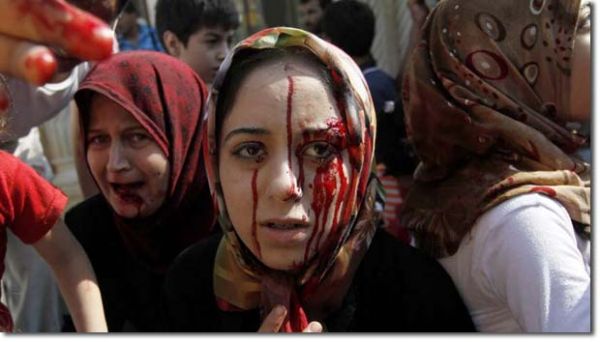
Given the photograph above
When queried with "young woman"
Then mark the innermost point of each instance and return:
(498, 195)
(289, 154)
(141, 118)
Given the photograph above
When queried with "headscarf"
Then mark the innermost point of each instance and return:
(241, 281)
(485, 96)
(167, 98)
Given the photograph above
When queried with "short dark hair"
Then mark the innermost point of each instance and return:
(130, 8)
(350, 24)
(322, 3)
(186, 17)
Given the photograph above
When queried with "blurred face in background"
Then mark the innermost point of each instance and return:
(204, 51)
(310, 15)
(581, 83)
(106, 10)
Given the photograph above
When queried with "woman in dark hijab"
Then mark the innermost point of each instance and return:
(141, 114)
(499, 196)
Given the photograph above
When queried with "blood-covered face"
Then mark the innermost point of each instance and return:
(129, 167)
(283, 163)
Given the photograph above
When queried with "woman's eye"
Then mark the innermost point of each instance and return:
(320, 151)
(97, 140)
(138, 139)
(251, 151)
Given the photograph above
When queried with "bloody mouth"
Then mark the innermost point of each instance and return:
(128, 192)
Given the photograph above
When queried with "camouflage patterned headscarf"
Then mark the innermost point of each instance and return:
(240, 279)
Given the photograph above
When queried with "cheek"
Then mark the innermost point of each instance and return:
(96, 163)
(157, 168)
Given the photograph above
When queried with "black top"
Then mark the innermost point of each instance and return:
(131, 292)
(397, 288)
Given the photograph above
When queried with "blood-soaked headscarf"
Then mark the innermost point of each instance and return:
(241, 281)
(167, 98)
(486, 95)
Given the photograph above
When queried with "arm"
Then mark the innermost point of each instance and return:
(75, 277)
(531, 262)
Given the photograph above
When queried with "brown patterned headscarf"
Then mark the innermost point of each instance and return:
(485, 96)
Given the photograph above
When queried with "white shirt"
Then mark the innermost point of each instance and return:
(33, 105)
(523, 269)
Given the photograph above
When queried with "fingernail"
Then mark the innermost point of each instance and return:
(40, 66)
(315, 327)
(280, 310)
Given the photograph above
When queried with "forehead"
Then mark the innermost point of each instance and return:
(213, 30)
(105, 112)
(312, 4)
(274, 88)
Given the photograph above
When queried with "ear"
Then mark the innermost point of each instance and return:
(172, 44)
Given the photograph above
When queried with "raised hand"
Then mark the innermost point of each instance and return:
(272, 323)
(31, 29)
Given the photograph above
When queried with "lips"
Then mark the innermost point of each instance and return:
(127, 192)
(285, 232)
(285, 224)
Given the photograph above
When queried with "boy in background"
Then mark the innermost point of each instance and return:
(199, 32)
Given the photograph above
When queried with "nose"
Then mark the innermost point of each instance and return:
(223, 51)
(284, 184)
(117, 159)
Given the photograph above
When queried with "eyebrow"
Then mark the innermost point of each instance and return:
(246, 130)
(126, 129)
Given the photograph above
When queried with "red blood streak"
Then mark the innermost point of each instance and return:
(43, 65)
(325, 185)
(343, 185)
(289, 118)
(316, 206)
(548, 191)
(79, 32)
(254, 207)
(4, 103)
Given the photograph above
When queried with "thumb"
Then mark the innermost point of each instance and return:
(313, 327)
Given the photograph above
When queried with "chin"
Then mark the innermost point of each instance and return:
(276, 262)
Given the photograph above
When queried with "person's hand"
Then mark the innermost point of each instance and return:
(30, 30)
(276, 317)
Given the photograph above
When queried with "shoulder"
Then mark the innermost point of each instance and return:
(377, 76)
(523, 222)
(189, 294)
(194, 265)
(387, 252)
(87, 210)
(88, 218)
(400, 288)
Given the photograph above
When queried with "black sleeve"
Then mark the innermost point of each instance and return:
(190, 305)
(401, 289)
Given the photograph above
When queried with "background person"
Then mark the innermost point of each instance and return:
(143, 149)
(199, 32)
(499, 197)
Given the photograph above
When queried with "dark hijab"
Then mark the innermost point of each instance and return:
(167, 98)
